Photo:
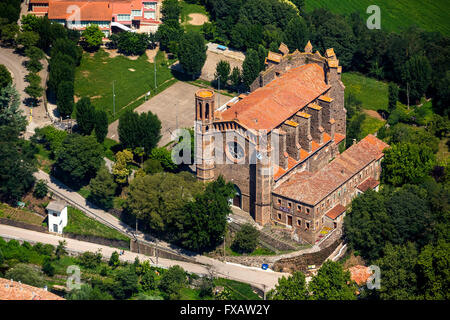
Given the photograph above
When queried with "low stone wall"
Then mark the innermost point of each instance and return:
(99, 240)
(300, 263)
(23, 225)
(150, 250)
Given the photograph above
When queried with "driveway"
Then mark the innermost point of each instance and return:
(37, 116)
(175, 107)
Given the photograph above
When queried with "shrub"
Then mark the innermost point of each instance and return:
(90, 260)
(40, 189)
(26, 274)
(246, 239)
(48, 268)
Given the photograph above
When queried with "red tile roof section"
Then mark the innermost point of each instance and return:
(12, 290)
(369, 183)
(89, 11)
(335, 212)
(360, 274)
(323, 182)
(271, 105)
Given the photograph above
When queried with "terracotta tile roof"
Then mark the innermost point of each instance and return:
(40, 9)
(279, 172)
(360, 274)
(336, 211)
(12, 290)
(323, 182)
(369, 183)
(338, 138)
(267, 107)
(89, 10)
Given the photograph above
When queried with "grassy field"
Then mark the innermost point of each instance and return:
(18, 214)
(239, 290)
(395, 15)
(186, 10)
(372, 93)
(371, 125)
(79, 223)
(132, 79)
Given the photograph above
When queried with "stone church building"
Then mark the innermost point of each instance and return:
(279, 145)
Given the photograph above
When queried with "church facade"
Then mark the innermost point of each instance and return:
(279, 145)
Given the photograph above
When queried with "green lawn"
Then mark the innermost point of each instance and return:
(186, 10)
(372, 93)
(371, 125)
(239, 290)
(395, 15)
(132, 79)
(79, 223)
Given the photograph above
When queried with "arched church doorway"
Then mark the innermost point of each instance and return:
(237, 200)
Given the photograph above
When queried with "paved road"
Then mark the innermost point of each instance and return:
(237, 272)
(262, 279)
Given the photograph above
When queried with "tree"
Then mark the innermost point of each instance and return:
(250, 67)
(103, 189)
(34, 53)
(416, 78)
(246, 239)
(85, 114)
(433, 271)
(192, 53)
(61, 249)
(368, 226)
(164, 157)
(332, 283)
(235, 77)
(170, 11)
(167, 34)
(40, 189)
(78, 159)
(222, 72)
(142, 130)
(296, 34)
(127, 283)
(101, 125)
(29, 22)
(291, 288)
(27, 39)
(86, 292)
(120, 168)
(34, 90)
(5, 77)
(152, 166)
(9, 33)
(34, 65)
(399, 279)
(406, 163)
(64, 99)
(393, 96)
(26, 274)
(300, 4)
(158, 199)
(203, 220)
(114, 260)
(48, 267)
(90, 260)
(93, 37)
(172, 281)
(148, 281)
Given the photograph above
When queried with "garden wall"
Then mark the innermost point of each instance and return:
(23, 225)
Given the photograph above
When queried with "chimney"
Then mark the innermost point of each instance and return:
(292, 137)
(280, 148)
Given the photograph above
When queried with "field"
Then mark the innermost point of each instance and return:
(372, 93)
(79, 223)
(18, 214)
(132, 80)
(186, 10)
(395, 15)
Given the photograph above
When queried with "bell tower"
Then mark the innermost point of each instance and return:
(204, 115)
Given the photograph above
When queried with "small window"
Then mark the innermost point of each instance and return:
(279, 216)
(307, 210)
(299, 222)
(289, 205)
(55, 214)
(299, 208)
(279, 202)
(307, 225)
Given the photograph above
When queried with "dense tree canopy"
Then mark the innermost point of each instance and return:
(192, 53)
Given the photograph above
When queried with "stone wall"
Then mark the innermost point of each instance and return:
(23, 225)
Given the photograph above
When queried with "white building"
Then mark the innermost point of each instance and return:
(57, 216)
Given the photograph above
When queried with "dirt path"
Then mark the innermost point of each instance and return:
(197, 19)
(373, 114)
